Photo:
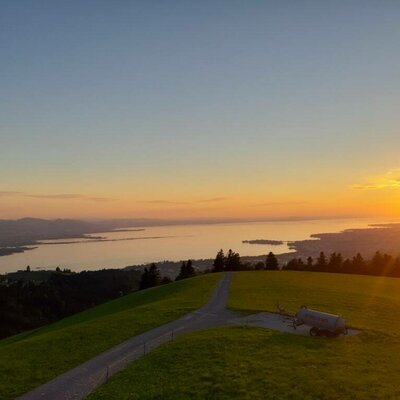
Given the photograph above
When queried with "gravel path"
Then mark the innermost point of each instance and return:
(80, 381)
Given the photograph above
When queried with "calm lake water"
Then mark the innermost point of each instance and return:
(172, 243)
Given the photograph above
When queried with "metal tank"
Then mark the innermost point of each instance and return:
(321, 323)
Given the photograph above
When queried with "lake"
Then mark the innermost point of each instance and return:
(172, 243)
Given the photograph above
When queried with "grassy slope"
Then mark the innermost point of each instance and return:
(253, 363)
(32, 358)
(366, 302)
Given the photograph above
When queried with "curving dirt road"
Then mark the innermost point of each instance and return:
(80, 381)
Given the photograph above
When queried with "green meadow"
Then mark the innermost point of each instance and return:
(367, 302)
(32, 358)
(255, 363)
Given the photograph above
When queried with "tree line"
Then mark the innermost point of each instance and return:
(152, 276)
(379, 265)
(232, 262)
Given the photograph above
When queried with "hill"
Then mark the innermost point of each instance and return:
(32, 358)
(254, 363)
(16, 234)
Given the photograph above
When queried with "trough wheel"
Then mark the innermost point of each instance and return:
(314, 331)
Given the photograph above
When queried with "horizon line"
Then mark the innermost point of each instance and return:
(208, 221)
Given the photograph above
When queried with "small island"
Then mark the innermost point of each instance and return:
(264, 241)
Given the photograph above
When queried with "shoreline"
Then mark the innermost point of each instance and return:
(384, 237)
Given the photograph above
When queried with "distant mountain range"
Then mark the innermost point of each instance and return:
(27, 231)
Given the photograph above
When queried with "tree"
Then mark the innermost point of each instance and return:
(396, 267)
(187, 271)
(154, 274)
(259, 265)
(310, 263)
(321, 262)
(190, 269)
(150, 277)
(358, 265)
(335, 262)
(247, 266)
(181, 274)
(347, 266)
(271, 262)
(232, 262)
(28, 268)
(219, 262)
(292, 265)
(296, 264)
(145, 280)
(381, 264)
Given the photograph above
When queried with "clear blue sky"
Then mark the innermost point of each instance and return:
(158, 100)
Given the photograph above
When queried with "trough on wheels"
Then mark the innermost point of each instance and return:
(321, 323)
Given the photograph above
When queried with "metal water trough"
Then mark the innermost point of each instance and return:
(320, 323)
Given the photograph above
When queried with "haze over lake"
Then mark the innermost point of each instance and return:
(172, 243)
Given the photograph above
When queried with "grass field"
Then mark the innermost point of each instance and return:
(32, 358)
(366, 302)
(253, 363)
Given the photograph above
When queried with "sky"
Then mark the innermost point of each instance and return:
(199, 109)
